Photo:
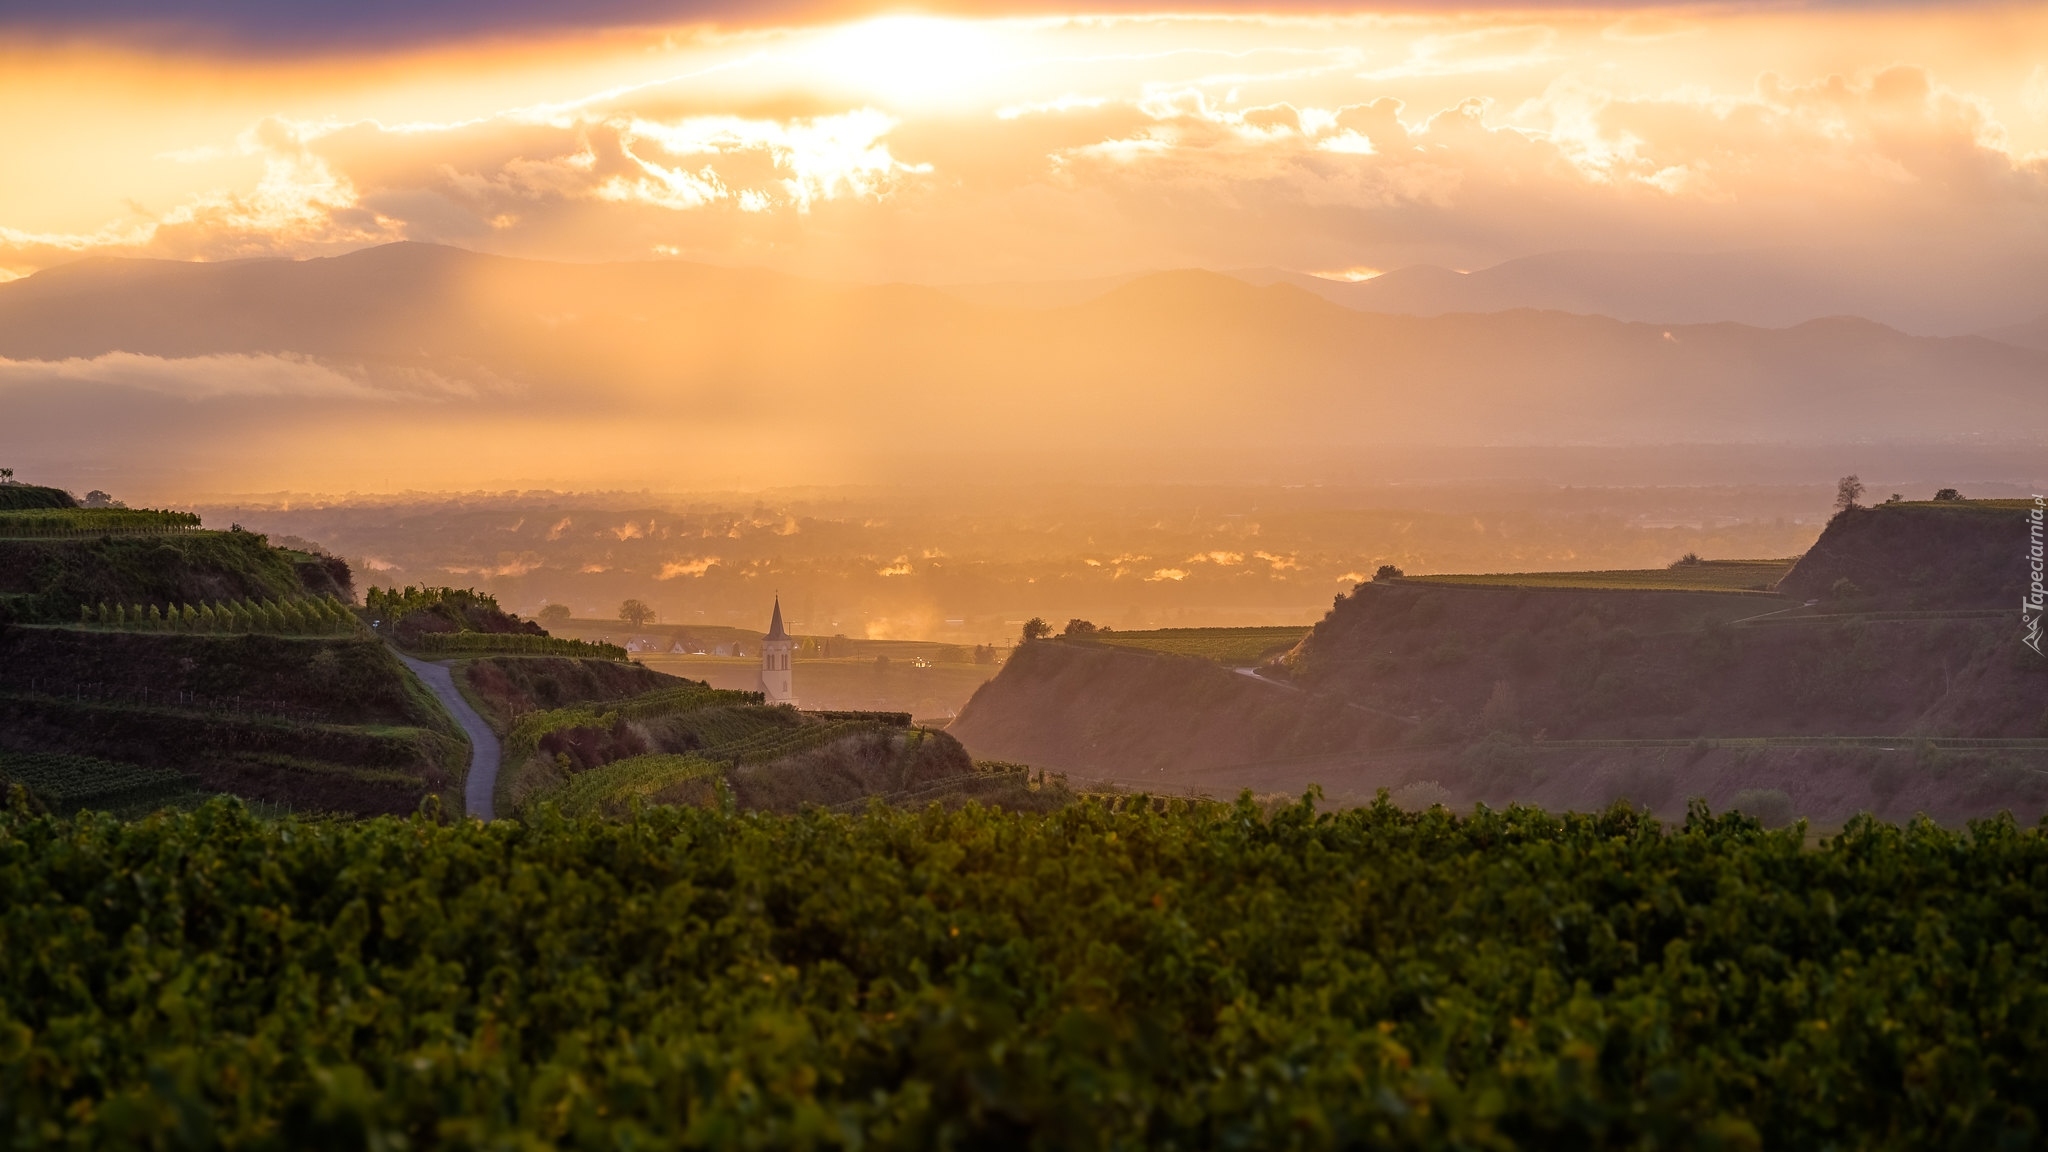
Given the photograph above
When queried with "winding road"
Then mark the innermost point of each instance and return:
(482, 782)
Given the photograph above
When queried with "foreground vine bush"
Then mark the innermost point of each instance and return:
(1101, 976)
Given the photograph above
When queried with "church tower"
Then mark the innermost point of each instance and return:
(775, 651)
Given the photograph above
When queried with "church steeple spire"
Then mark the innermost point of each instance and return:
(777, 647)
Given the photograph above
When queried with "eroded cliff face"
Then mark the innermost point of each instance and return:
(1917, 557)
(1576, 664)
(1117, 714)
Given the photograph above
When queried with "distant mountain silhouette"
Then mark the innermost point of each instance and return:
(2033, 334)
(1174, 362)
(1772, 288)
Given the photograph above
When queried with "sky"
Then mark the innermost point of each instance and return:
(958, 144)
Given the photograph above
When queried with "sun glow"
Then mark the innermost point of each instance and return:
(913, 59)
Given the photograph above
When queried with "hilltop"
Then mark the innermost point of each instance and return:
(24, 497)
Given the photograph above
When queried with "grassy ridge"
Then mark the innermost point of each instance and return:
(1235, 646)
(1704, 576)
(18, 497)
(1100, 977)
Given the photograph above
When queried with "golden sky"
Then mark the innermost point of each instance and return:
(956, 148)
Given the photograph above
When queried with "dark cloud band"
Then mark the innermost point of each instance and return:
(326, 25)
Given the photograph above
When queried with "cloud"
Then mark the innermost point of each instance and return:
(199, 378)
(695, 566)
(1123, 143)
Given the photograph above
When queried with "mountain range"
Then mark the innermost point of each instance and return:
(114, 355)
(1767, 288)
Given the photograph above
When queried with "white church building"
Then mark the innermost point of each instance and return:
(776, 646)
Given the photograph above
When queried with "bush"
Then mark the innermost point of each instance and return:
(1770, 806)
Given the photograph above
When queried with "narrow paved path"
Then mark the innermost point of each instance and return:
(482, 782)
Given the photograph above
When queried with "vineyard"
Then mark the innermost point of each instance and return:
(66, 782)
(289, 616)
(63, 523)
(572, 755)
(43, 523)
(393, 603)
(1110, 975)
(526, 735)
(512, 643)
(609, 791)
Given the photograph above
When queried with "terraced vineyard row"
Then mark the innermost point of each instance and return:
(527, 734)
(65, 523)
(775, 743)
(292, 616)
(67, 782)
(480, 643)
(610, 789)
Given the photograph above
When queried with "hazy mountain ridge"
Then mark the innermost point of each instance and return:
(1183, 361)
(1769, 288)
(1764, 288)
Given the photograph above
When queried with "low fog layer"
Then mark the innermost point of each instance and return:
(968, 563)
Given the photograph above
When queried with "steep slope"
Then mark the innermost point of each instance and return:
(1116, 713)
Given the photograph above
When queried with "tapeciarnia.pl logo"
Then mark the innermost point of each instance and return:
(2031, 607)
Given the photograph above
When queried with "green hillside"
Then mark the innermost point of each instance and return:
(573, 754)
(209, 657)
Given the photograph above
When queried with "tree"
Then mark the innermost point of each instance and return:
(1848, 490)
(6, 475)
(1079, 627)
(1387, 572)
(99, 499)
(1948, 494)
(553, 615)
(1036, 629)
(637, 613)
